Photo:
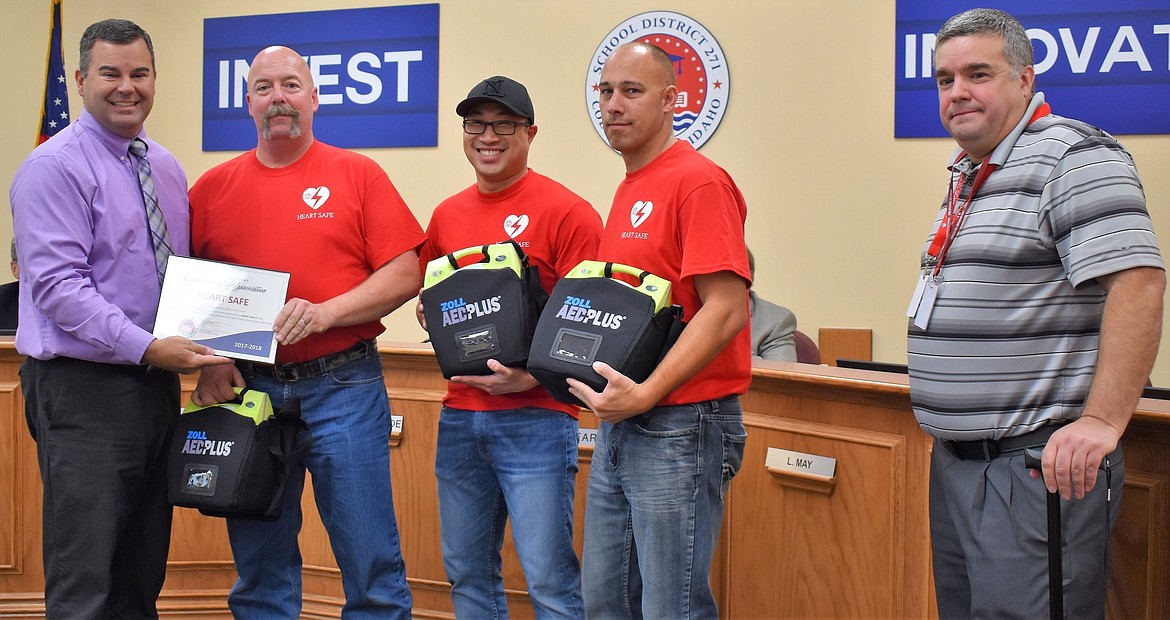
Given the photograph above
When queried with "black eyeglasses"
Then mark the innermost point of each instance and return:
(502, 128)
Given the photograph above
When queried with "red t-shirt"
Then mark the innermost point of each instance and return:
(330, 219)
(556, 228)
(681, 216)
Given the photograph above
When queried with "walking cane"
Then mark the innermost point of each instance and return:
(1055, 567)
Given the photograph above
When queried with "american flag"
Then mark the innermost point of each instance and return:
(55, 108)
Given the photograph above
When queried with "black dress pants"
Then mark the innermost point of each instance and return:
(101, 432)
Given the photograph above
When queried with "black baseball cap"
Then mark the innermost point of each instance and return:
(502, 90)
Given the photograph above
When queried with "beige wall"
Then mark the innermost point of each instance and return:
(838, 207)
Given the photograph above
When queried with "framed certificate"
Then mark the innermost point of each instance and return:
(230, 308)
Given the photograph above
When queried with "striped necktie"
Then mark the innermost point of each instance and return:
(154, 215)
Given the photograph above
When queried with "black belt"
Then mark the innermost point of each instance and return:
(988, 449)
(312, 368)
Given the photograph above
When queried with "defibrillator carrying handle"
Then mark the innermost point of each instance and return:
(454, 257)
(640, 274)
(240, 391)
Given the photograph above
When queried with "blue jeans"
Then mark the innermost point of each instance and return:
(654, 510)
(348, 413)
(519, 464)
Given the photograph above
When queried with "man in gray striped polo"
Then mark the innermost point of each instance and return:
(1035, 323)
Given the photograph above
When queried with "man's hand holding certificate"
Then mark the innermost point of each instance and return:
(230, 308)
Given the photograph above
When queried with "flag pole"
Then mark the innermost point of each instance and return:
(55, 104)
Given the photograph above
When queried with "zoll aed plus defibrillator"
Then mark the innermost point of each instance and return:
(486, 309)
(594, 315)
(233, 459)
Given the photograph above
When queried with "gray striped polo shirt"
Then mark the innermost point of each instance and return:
(1013, 337)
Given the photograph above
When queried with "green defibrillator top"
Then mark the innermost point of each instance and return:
(656, 288)
(249, 404)
(495, 256)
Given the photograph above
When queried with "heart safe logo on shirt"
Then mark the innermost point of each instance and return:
(315, 196)
(515, 224)
(640, 211)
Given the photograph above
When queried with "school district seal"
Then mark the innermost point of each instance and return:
(704, 84)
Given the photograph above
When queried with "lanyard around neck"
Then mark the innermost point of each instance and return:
(956, 213)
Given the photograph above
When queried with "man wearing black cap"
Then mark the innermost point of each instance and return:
(505, 447)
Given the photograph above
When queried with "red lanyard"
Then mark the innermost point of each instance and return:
(952, 221)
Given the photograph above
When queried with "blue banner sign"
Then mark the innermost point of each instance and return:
(1105, 63)
(376, 71)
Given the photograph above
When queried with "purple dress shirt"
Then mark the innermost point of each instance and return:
(88, 288)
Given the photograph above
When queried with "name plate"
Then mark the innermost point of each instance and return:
(586, 437)
(799, 461)
(395, 430)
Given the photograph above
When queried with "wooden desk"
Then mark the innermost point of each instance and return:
(856, 547)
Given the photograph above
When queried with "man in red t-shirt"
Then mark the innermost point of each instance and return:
(506, 448)
(333, 220)
(667, 447)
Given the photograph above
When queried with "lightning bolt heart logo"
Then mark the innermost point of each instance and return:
(640, 211)
(315, 196)
(515, 224)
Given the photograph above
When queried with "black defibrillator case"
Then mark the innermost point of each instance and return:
(233, 459)
(593, 316)
(482, 309)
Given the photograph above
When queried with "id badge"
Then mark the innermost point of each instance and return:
(916, 298)
(926, 304)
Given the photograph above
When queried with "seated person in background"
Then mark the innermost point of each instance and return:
(773, 327)
(10, 296)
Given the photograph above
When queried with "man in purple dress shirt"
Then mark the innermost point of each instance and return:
(101, 393)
